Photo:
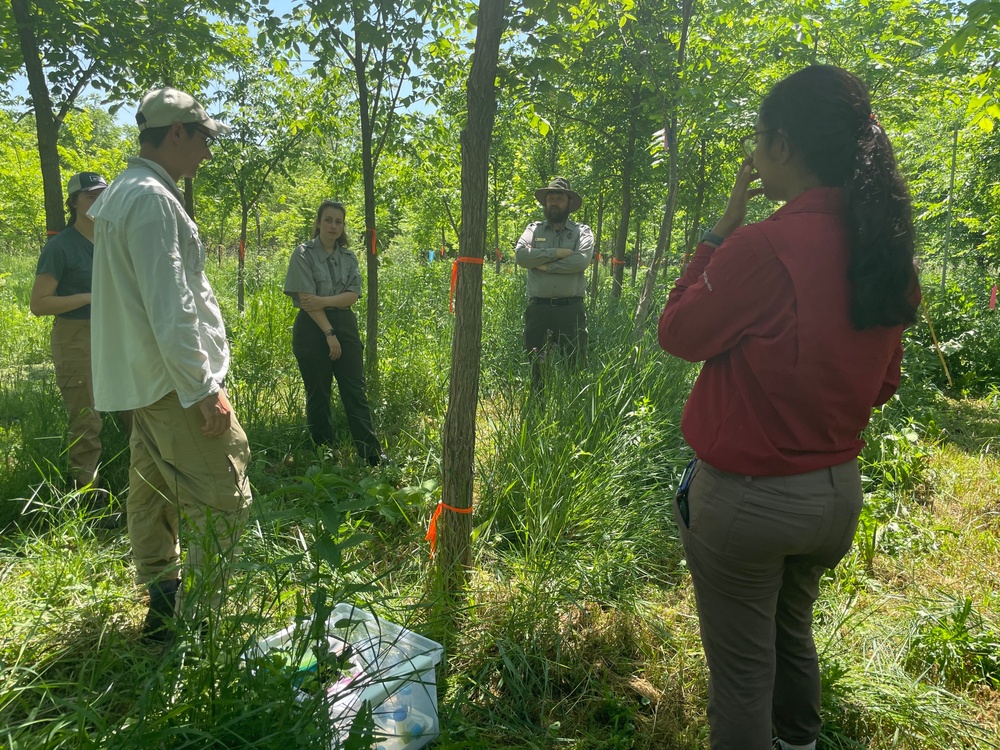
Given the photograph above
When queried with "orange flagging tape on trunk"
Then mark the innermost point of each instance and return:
(432, 529)
(454, 277)
(372, 230)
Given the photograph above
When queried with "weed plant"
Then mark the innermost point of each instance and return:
(956, 644)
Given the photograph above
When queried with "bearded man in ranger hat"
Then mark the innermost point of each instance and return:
(556, 253)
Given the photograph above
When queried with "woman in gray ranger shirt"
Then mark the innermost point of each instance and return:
(323, 281)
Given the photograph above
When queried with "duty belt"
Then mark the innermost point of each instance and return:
(554, 301)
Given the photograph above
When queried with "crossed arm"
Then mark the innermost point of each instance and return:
(556, 260)
(45, 301)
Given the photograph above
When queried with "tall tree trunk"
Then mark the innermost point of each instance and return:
(621, 239)
(260, 236)
(638, 251)
(667, 224)
(189, 197)
(662, 242)
(46, 124)
(496, 218)
(699, 203)
(223, 225)
(368, 170)
(553, 152)
(240, 275)
(595, 265)
(455, 529)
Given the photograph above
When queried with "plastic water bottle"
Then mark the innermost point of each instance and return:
(410, 724)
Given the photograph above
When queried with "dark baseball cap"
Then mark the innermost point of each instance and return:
(85, 181)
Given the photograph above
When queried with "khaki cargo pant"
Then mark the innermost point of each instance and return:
(186, 490)
(70, 341)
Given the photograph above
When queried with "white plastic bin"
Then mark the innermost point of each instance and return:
(392, 668)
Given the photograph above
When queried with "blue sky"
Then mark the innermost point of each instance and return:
(125, 115)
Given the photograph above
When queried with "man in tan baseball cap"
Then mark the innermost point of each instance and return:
(160, 348)
(163, 107)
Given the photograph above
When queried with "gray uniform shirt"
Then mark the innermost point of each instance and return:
(560, 278)
(311, 269)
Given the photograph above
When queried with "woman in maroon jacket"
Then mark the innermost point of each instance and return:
(799, 321)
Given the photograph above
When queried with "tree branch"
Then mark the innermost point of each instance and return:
(77, 89)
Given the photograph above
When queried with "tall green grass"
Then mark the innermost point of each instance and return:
(579, 628)
(32, 417)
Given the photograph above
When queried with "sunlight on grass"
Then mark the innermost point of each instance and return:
(579, 627)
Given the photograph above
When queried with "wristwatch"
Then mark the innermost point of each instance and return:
(331, 332)
(712, 238)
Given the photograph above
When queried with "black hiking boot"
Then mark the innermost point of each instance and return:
(158, 629)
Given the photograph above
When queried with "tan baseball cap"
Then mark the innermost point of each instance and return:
(163, 107)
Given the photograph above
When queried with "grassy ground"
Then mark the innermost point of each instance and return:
(579, 627)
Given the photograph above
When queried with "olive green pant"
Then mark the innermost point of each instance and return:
(186, 490)
(757, 548)
(71, 356)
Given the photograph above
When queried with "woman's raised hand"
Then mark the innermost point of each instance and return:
(736, 210)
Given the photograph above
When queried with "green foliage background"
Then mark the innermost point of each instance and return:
(578, 629)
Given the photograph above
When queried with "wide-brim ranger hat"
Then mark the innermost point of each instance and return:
(85, 182)
(163, 107)
(560, 185)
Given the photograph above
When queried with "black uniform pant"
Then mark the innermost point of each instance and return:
(555, 323)
(309, 345)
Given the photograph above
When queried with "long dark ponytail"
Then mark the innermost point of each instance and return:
(826, 114)
(71, 207)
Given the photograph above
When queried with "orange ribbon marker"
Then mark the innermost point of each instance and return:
(372, 230)
(432, 529)
(454, 277)
(616, 262)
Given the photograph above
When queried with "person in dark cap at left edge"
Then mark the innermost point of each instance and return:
(62, 289)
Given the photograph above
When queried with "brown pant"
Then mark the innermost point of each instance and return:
(185, 489)
(71, 357)
(756, 548)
